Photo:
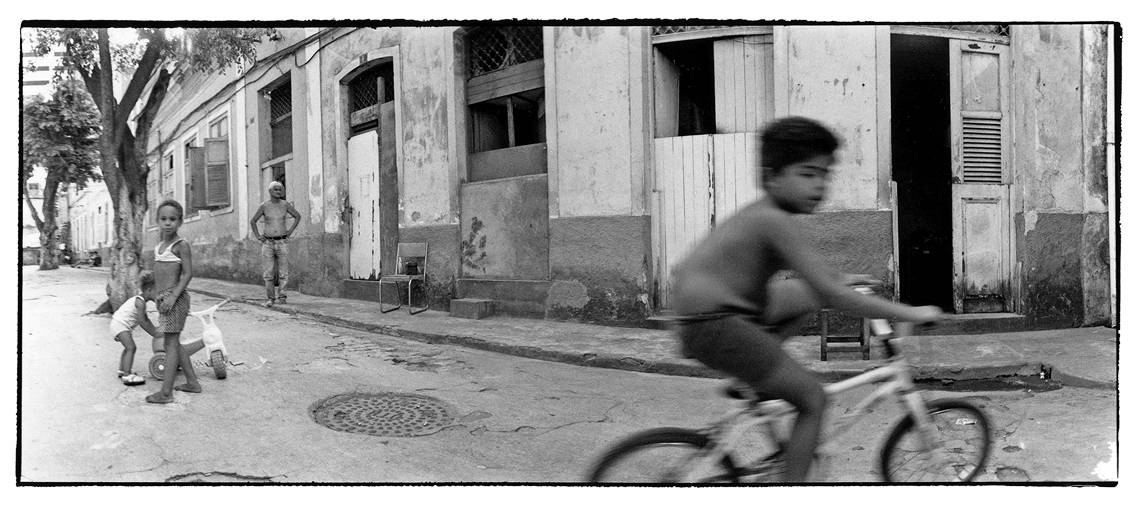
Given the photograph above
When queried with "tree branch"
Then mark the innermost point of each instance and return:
(28, 199)
(141, 76)
(108, 108)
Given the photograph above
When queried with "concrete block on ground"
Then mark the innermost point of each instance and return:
(475, 309)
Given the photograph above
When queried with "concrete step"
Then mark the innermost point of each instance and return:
(514, 297)
(475, 309)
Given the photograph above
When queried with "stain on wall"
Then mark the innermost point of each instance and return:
(1095, 270)
(1052, 269)
(505, 228)
(600, 269)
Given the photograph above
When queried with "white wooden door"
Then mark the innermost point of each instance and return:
(363, 198)
(979, 135)
(700, 180)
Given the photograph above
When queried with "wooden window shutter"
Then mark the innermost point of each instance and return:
(217, 176)
(196, 163)
(979, 111)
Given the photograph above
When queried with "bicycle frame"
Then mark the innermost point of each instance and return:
(896, 381)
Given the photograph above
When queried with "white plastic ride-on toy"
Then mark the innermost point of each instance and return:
(211, 339)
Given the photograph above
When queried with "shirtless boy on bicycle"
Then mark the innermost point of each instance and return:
(734, 316)
(275, 241)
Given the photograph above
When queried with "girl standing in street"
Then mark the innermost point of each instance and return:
(173, 268)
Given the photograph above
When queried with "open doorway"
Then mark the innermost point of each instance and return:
(920, 147)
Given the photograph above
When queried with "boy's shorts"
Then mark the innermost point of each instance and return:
(118, 327)
(172, 321)
(735, 344)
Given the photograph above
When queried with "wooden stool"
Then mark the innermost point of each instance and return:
(834, 342)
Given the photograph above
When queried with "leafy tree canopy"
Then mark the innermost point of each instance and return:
(61, 134)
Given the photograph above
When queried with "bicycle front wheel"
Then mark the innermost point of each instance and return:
(960, 438)
(666, 455)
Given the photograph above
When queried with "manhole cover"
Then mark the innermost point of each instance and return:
(383, 414)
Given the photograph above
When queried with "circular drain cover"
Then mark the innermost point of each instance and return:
(383, 414)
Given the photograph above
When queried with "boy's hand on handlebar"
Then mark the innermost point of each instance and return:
(926, 314)
(860, 280)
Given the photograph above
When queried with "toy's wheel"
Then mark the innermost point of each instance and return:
(218, 362)
(157, 365)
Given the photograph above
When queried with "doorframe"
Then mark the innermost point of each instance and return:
(885, 106)
(343, 130)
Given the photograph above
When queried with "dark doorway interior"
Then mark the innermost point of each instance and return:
(920, 147)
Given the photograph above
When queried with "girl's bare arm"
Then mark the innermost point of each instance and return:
(183, 251)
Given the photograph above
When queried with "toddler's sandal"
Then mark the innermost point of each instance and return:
(132, 379)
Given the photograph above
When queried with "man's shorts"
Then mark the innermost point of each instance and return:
(172, 321)
(734, 344)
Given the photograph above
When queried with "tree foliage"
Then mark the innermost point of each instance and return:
(147, 65)
(61, 134)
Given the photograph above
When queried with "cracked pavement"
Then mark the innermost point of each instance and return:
(515, 419)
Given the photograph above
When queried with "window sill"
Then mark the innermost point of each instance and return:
(275, 161)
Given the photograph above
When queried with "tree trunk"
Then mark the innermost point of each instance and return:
(49, 251)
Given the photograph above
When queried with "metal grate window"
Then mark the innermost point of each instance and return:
(280, 102)
(362, 88)
(981, 150)
(1000, 30)
(668, 30)
(498, 47)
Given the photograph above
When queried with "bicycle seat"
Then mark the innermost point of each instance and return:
(742, 391)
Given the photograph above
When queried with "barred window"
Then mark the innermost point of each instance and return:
(362, 89)
(494, 48)
(506, 103)
(280, 119)
(669, 30)
(1000, 30)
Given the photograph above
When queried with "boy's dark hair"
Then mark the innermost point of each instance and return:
(794, 139)
(146, 280)
(169, 202)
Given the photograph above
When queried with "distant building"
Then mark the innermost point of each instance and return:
(37, 71)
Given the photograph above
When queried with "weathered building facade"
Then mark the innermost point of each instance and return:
(562, 170)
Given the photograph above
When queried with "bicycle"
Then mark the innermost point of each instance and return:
(942, 439)
(211, 339)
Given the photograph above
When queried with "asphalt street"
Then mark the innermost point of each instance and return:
(509, 419)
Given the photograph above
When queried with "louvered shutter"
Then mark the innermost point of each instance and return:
(217, 172)
(979, 115)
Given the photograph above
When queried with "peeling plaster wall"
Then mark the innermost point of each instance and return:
(1060, 171)
(599, 268)
(595, 169)
(426, 75)
(832, 78)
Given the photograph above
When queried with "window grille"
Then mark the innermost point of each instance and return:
(1000, 30)
(498, 47)
(362, 88)
(280, 102)
(668, 30)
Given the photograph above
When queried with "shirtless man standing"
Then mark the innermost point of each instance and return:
(275, 241)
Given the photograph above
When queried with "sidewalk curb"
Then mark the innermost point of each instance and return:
(671, 368)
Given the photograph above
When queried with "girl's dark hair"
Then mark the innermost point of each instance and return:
(794, 139)
(169, 202)
(146, 279)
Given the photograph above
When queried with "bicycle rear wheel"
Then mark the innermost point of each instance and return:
(961, 434)
(665, 455)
